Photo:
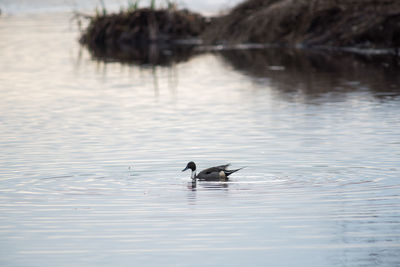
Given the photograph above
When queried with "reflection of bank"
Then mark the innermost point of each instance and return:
(293, 73)
(161, 62)
(150, 54)
(313, 73)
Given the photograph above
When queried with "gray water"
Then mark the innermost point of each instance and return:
(92, 153)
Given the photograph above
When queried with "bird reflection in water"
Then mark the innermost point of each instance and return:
(194, 185)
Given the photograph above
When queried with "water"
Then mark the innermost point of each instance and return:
(92, 152)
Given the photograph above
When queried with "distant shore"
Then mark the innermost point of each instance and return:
(359, 24)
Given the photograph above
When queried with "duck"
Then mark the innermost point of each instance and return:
(217, 173)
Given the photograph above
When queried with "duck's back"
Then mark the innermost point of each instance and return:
(216, 169)
(213, 173)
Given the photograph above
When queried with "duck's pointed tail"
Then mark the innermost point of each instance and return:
(229, 172)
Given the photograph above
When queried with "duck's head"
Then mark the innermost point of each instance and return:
(191, 165)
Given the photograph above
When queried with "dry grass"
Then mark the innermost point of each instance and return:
(364, 23)
(143, 26)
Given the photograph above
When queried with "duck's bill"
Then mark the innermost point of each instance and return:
(185, 169)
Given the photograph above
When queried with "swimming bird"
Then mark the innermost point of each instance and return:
(218, 173)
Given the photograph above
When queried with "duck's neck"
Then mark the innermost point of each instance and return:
(193, 176)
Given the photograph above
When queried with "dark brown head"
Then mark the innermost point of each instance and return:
(191, 166)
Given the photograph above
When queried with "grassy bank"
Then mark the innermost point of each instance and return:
(143, 26)
(336, 23)
(369, 24)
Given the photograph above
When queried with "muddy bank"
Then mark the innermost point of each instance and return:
(372, 24)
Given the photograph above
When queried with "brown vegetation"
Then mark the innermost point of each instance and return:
(356, 23)
(143, 26)
(151, 35)
(144, 36)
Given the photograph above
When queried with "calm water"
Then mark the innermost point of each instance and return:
(92, 152)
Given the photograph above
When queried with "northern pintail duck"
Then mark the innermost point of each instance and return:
(218, 173)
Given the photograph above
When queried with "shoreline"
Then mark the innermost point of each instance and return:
(361, 27)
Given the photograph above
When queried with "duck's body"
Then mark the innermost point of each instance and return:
(217, 173)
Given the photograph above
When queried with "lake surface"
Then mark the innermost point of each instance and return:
(92, 152)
